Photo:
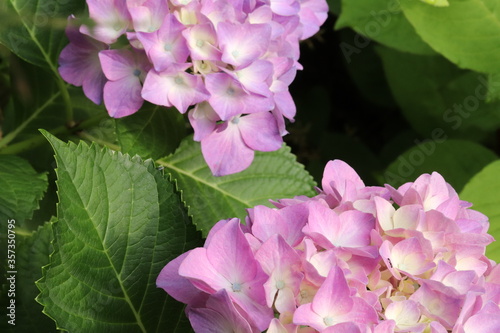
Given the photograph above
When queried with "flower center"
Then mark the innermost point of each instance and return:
(168, 47)
(137, 72)
(280, 284)
(178, 80)
(328, 321)
(199, 43)
(230, 91)
(236, 287)
(118, 25)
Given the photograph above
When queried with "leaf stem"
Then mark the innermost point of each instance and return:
(63, 89)
(87, 136)
(70, 122)
(38, 140)
(12, 135)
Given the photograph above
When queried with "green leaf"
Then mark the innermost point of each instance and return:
(272, 175)
(34, 29)
(456, 160)
(119, 223)
(334, 6)
(483, 191)
(153, 132)
(436, 95)
(32, 252)
(493, 88)
(367, 73)
(380, 20)
(32, 103)
(21, 189)
(38, 103)
(467, 32)
(437, 3)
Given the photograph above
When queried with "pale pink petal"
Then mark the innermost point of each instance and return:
(338, 177)
(284, 102)
(230, 253)
(276, 327)
(178, 89)
(111, 19)
(260, 131)
(229, 99)
(119, 64)
(313, 14)
(223, 11)
(322, 224)
(224, 150)
(333, 304)
(345, 328)
(408, 256)
(123, 97)
(487, 320)
(203, 119)
(285, 7)
(175, 285)
(385, 326)
(350, 229)
(220, 315)
(241, 44)
(437, 305)
(166, 46)
(287, 222)
(147, 15)
(406, 314)
(197, 268)
(202, 40)
(256, 77)
(304, 315)
(385, 212)
(281, 263)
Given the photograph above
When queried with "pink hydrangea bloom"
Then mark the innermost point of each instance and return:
(238, 57)
(351, 259)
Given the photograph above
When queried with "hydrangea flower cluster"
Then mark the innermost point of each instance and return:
(232, 59)
(351, 259)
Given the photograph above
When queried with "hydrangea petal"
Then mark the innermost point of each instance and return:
(220, 315)
(229, 99)
(241, 44)
(147, 15)
(178, 89)
(225, 151)
(123, 97)
(111, 19)
(260, 131)
(79, 63)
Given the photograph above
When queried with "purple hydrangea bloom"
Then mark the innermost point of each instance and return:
(235, 58)
(79, 63)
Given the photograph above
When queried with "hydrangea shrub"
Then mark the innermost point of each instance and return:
(115, 116)
(353, 258)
